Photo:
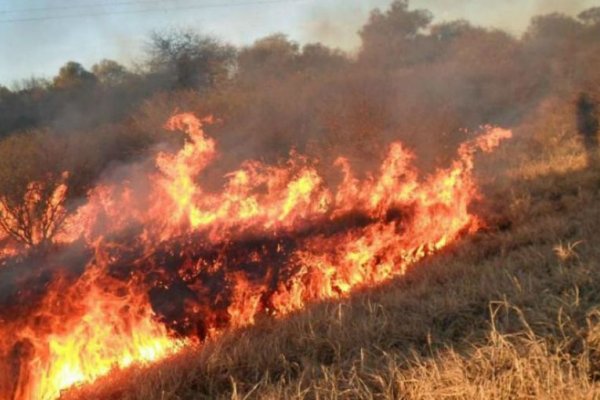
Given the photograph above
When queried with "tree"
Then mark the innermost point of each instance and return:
(448, 31)
(591, 16)
(110, 72)
(33, 188)
(552, 29)
(320, 59)
(72, 75)
(32, 84)
(271, 57)
(188, 60)
(5, 93)
(391, 37)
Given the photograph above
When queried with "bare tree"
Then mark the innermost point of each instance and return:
(33, 187)
(39, 216)
(189, 60)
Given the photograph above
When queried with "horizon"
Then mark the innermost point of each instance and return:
(93, 31)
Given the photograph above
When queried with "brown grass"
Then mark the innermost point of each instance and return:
(511, 312)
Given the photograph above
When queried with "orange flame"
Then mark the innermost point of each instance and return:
(82, 332)
(378, 227)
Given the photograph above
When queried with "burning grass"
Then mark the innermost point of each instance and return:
(511, 312)
(159, 262)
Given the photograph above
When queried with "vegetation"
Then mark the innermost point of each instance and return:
(510, 312)
(427, 84)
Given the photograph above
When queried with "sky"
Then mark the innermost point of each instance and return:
(36, 38)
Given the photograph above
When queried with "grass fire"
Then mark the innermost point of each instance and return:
(413, 216)
(179, 265)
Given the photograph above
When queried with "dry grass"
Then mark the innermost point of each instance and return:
(511, 312)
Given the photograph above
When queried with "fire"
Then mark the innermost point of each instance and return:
(85, 330)
(154, 265)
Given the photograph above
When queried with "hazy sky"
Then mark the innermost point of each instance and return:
(35, 40)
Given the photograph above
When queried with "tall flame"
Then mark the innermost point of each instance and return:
(170, 262)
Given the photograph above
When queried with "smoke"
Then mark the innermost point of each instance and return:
(292, 121)
(420, 77)
(337, 26)
(512, 15)
(567, 7)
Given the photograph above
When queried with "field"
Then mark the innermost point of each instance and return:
(512, 311)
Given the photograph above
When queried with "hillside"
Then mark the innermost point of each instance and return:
(414, 217)
(509, 312)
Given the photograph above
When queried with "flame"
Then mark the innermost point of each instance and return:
(85, 330)
(274, 239)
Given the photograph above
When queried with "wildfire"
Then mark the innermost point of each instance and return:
(154, 266)
(108, 330)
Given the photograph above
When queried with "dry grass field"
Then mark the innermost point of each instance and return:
(510, 312)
